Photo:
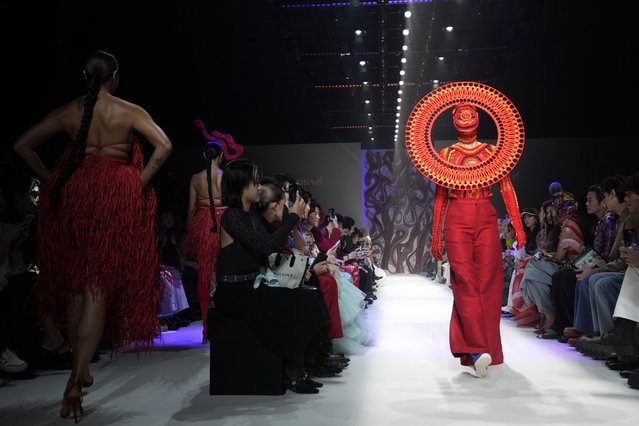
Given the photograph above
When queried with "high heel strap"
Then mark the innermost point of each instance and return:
(74, 401)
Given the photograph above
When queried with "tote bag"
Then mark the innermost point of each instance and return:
(289, 269)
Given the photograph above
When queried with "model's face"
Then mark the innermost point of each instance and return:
(593, 206)
(632, 201)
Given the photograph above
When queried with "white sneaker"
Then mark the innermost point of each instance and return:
(481, 364)
(10, 363)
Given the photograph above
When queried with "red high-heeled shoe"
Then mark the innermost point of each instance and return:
(73, 402)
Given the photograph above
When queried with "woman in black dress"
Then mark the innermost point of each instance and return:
(285, 320)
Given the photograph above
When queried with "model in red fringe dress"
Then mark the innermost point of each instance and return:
(96, 241)
(202, 236)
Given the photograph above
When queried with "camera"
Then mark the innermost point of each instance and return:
(331, 213)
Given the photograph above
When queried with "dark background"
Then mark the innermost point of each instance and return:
(264, 70)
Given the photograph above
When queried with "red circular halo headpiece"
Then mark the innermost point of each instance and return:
(510, 136)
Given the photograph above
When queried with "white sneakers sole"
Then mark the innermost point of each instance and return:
(482, 363)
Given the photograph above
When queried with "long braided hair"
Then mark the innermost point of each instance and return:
(98, 69)
(211, 151)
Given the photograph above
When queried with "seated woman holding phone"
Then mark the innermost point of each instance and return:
(344, 301)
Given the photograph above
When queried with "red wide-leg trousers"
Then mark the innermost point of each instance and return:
(330, 293)
(472, 244)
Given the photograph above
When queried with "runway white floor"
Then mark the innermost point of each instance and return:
(408, 378)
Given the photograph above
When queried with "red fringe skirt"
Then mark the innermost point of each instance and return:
(205, 245)
(102, 236)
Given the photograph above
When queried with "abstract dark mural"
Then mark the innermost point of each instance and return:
(398, 210)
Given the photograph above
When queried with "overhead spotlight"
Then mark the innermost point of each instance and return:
(362, 63)
(405, 32)
(449, 28)
(365, 83)
(372, 139)
(397, 115)
(358, 32)
(402, 72)
(397, 120)
(403, 60)
(436, 81)
(370, 128)
(367, 102)
(369, 114)
(399, 99)
(400, 91)
(407, 14)
(439, 58)
(401, 82)
(404, 48)
(399, 107)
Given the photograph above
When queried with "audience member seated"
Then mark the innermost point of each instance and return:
(320, 359)
(604, 292)
(284, 320)
(536, 282)
(564, 282)
(585, 319)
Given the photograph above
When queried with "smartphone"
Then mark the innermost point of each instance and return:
(629, 238)
(331, 213)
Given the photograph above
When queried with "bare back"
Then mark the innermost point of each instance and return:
(200, 184)
(199, 192)
(112, 124)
